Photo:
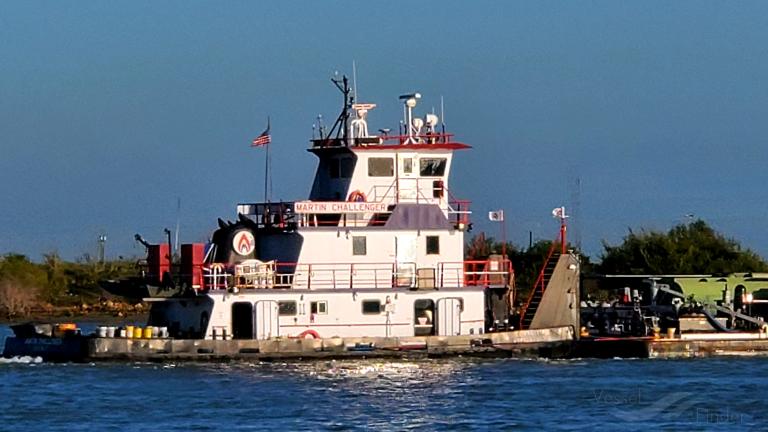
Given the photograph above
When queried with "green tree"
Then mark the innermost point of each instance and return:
(527, 263)
(693, 248)
(21, 282)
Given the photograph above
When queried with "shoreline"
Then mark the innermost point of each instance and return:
(96, 317)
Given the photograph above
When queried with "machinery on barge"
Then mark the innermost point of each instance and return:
(375, 252)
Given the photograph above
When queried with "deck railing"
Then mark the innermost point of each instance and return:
(285, 275)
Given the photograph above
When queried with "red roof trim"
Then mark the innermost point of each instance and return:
(436, 146)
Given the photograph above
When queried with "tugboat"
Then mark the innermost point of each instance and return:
(372, 263)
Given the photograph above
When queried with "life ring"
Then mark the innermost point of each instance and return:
(305, 333)
(356, 196)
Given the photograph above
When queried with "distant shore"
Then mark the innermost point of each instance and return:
(93, 318)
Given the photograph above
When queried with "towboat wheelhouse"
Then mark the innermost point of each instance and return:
(376, 250)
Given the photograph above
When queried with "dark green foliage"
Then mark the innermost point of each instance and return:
(693, 248)
(526, 263)
(54, 281)
(23, 271)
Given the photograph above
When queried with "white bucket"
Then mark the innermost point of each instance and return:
(101, 331)
(111, 331)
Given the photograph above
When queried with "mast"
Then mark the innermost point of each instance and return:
(342, 122)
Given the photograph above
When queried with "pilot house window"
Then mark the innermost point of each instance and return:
(381, 167)
(340, 167)
(407, 166)
(432, 167)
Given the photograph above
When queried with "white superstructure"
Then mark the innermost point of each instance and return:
(377, 249)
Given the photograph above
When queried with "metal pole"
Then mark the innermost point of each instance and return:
(562, 235)
(503, 238)
(266, 173)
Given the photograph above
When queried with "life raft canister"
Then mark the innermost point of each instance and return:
(356, 196)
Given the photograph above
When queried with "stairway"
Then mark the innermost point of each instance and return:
(538, 290)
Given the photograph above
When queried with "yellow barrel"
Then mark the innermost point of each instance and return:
(61, 329)
(148, 332)
(129, 331)
(137, 332)
(67, 326)
(671, 333)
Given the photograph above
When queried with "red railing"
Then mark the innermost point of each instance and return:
(389, 140)
(540, 285)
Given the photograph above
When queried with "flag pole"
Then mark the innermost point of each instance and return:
(266, 167)
(503, 238)
(266, 171)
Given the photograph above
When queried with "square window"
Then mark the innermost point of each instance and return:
(318, 307)
(371, 307)
(359, 245)
(286, 308)
(433, 245)
(381, 167)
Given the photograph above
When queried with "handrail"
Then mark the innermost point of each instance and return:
(540, 279)
(292, 275)
(386, 139)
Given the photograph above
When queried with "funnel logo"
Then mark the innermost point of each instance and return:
(244, 243)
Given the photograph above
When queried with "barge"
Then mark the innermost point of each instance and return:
(370, 264)
(656, 319)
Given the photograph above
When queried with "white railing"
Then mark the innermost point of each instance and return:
(359, 275)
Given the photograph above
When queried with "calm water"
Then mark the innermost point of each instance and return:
(460, 394)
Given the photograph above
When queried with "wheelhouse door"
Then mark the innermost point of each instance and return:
(407, 177)
(449, 316)
(267, 324)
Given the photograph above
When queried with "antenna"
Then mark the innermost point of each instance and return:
(320, 126)
(575, 186)
(442, 114)
(178, 219)
(354, 81)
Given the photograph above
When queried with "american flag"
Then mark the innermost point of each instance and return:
(263, 139)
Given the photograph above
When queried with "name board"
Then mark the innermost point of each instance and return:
(329, 207)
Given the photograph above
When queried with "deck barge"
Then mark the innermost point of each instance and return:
(551, 343)
(689, 346)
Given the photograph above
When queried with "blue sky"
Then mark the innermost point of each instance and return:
(111, 111)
